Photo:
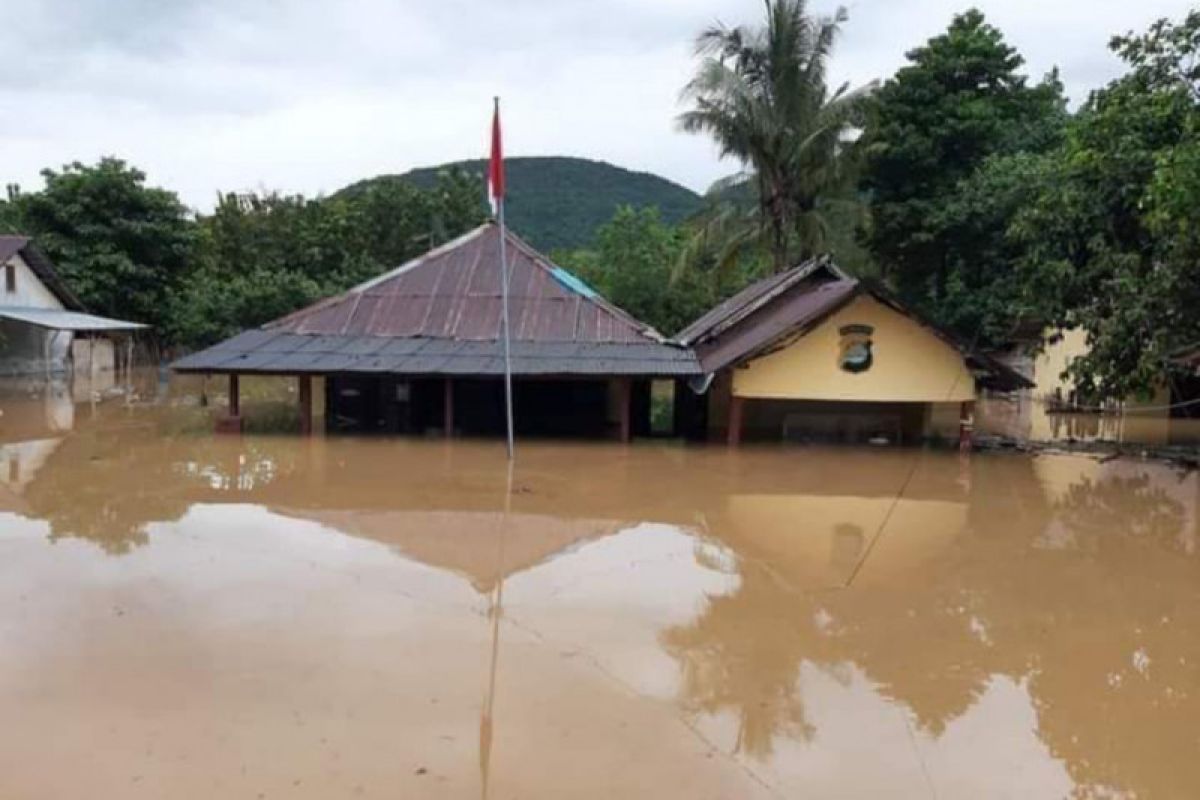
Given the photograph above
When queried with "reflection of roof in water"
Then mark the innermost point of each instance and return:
(469, 543)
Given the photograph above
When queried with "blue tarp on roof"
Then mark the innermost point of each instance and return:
(573, 283)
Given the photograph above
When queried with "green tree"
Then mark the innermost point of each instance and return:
(631, 265)
(935, 150)
(397, 219)
(264, 256)
(1116, 226)
(761, 94)
(123, 247)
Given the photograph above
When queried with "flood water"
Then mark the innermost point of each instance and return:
(184, 615)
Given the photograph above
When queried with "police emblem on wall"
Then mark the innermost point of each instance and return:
(854, 354)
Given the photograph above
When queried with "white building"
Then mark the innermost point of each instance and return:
(43, 326)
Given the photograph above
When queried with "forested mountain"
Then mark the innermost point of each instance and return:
(558, 202)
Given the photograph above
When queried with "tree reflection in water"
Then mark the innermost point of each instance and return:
(1103, 629)
(729, 664)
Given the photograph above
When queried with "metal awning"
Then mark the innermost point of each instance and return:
(60, 320)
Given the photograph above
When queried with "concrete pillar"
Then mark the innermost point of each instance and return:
(306, 405)
(736, 409)
(448, 406)
(966, 425)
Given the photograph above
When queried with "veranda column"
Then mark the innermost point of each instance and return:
(448, 406)
(232, 423)
(306, 405)
(966, 425)
(235, 402)
(736, 410)
(625, 411)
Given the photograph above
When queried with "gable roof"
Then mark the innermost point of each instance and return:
(441, 314)
(37, 261)
(730, 311)
(793, 303)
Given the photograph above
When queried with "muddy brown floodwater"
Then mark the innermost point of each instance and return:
(184, 615)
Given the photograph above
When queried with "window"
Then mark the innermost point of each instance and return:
(854, 354)
(10, 278)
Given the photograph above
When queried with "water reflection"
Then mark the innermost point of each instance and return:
(947, 608)
(1028, 419)
(655, 620)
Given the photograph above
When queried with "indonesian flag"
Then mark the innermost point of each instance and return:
(496, 166)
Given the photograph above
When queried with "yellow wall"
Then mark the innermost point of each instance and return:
(911, 364)
(1052, 361)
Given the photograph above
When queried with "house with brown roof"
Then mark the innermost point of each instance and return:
(420, 349)
(814, 354)
(43, 326)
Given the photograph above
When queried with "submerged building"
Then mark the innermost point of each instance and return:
(813, 354)
(420, 349)
(807, 354)
(43, 326)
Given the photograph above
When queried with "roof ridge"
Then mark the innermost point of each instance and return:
(754, 296)
(413, 263)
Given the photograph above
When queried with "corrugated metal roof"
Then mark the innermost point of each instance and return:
(784, 315)
(757, 294)
(311, 353)
(791, 304)
(453, 292)
(57, 319)
(440, 314)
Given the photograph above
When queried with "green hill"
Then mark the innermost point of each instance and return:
(558, 202)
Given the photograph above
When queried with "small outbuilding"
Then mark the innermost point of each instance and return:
(421, 349)
(43, 326)
(814, 354)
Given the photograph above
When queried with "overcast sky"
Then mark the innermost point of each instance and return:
(305, 96)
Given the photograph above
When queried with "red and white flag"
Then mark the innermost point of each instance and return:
(496, 166)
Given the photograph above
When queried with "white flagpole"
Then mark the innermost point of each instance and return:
(508, 398)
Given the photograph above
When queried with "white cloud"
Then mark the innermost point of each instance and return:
(307, 96)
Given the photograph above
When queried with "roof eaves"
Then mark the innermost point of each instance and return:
(710, 324)
(44, 269)
(790, 332)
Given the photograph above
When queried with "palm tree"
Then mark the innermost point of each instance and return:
(761, 94)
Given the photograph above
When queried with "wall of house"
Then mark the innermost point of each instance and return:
(98, 352)
(1052, 360)
(23, 348)
(910, 364)
(30, 291)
